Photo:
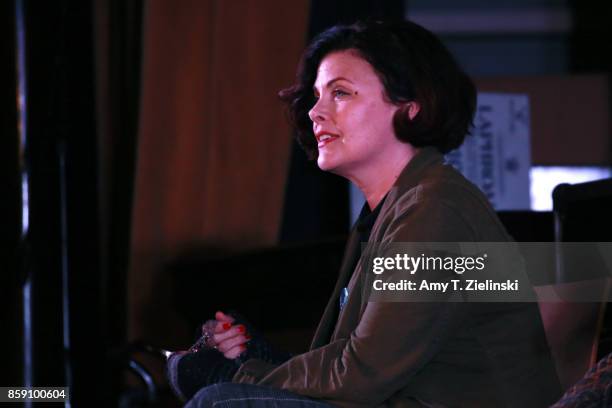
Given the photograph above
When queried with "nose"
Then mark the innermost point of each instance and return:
(317, 114)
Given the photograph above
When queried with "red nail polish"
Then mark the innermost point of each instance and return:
(247, 336)
(241, 329)
(242, 347)
(227, 326)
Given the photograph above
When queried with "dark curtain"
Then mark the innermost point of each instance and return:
(117, 27)
(213, 142)
(118, 54)
(11, 273)
(81, 74)
(60, 258)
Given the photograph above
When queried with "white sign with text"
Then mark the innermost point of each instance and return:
(496, 156)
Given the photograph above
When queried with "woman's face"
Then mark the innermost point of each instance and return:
(352, 120)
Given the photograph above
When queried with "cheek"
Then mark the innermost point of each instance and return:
(358, 119)
(375, 123)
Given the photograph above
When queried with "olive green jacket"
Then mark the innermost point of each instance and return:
(422, 353)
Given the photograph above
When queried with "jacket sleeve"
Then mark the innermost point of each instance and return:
(391, 341)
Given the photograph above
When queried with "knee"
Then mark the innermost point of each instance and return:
(209, 395)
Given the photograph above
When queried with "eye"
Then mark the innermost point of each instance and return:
(339, 93)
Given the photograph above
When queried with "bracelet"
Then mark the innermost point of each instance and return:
(206, 341)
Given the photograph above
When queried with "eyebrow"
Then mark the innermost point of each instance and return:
(331, 81)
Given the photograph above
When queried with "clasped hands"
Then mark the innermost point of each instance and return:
(212, 359)
(228, 338)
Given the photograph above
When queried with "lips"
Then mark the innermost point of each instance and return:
(325, 138)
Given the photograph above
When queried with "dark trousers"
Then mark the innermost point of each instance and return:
(231, 395)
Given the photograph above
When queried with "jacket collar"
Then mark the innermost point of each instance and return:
(411, 175)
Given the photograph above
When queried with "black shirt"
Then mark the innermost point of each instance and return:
(363, 227)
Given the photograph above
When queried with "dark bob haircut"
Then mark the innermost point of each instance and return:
(412, 64)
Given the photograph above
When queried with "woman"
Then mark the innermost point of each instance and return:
(379, 104)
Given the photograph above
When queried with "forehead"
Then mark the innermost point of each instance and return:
(346, 64)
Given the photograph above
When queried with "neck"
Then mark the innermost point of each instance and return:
(376, 180)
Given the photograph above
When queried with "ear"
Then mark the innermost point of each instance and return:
(412, 108)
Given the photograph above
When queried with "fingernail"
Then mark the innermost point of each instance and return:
(242, 347)
(241, 329)
(227, 326)
(247, 336)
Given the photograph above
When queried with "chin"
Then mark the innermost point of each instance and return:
(325, 163)
(332, 166)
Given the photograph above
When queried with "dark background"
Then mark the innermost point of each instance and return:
(79, 227)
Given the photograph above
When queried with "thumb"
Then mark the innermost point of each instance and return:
(222, 317)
